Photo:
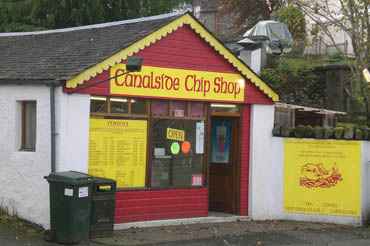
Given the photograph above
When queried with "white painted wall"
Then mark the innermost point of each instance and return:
(253, 58)
(72, 128)
(23, 189)
(262, 121)
(366, 182)
(267, 175)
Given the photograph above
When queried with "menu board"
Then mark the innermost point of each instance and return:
(117, 150)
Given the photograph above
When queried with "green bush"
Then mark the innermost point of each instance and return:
(309, 132)
(276, 131)
(328, 133)
(359, 134)
(366, 133)
(319, 132)
(348, 133)
(338, 132)
(286, 131)
(300, 131)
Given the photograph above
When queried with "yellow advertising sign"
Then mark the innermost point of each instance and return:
(174, 134)
(117, 150)
(322, 177)
(177, 83)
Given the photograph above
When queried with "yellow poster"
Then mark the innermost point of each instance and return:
(322, 177)
(117, 150)
(175, 134)
(177, 83)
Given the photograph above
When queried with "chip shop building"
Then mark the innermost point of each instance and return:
(179, 137)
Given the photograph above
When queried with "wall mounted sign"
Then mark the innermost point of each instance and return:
(197, 180)
(185, 147)
(159, 151)
(178, 113)
(178, 84)
(221, 141)
(175, 134)
(175, 148)
(322, 177)
(199, 135)
(117, 150)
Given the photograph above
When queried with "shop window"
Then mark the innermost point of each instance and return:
(196, 110)
(119, 105)
(177, 153)
(98, 105)
(28, 125)
(160, 108)
(138, 106)
(178, 109)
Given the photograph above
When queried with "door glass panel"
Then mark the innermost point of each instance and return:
(221, 141)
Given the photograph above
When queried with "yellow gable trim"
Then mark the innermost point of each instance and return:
(159, 34)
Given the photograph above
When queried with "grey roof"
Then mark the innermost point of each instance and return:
(61, 54)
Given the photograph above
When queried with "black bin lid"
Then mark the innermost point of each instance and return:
(100, 180)
(70, 177)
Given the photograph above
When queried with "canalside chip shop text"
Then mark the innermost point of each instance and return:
(190, 83)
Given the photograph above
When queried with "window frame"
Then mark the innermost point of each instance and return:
(150, 118)
(24, 129)
(128, 115)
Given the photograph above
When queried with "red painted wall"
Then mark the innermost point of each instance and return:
(244, 159)
(254, 96)
(161, 204)
(182, 49)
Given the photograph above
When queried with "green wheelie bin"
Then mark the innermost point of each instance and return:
(70, 206)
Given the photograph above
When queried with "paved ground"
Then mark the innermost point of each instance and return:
(226, 234)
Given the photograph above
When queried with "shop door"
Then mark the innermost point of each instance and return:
(223, 168)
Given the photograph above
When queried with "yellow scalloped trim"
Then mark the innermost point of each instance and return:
(159, 34)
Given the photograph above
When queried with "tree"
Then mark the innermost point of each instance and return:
(29, 15)
(351, 17)
(295, 20)
(249, 12)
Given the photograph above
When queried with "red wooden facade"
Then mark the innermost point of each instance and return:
(183, 49)
(161, 204)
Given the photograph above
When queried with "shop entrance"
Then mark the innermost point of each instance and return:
(224, 165)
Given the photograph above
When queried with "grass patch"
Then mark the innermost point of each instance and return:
(18, 225)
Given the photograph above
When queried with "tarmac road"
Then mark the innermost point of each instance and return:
(269, 233)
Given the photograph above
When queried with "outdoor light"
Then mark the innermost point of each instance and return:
(118, 100)
(99, 98)
(219, 105)
(134, 64)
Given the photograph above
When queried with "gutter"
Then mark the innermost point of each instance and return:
(53, 133)
(28, 82)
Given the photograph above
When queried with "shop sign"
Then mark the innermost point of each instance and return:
(118, 150)
(179, 113)
(185, 147)
(199, 133)
(175, 148)
(177, 83)
(322, 177)
(175, 134)
(197, 180)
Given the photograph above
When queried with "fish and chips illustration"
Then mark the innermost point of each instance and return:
(317, 176)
